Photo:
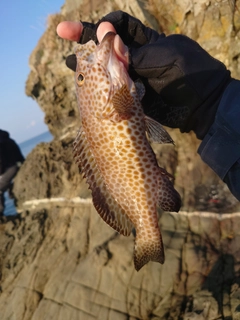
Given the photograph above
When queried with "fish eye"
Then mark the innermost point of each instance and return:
(80, 79)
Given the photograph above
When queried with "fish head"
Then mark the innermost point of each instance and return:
(101, 71)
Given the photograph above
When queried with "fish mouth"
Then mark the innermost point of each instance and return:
(114, 57)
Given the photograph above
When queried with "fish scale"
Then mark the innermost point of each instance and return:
(114, 154)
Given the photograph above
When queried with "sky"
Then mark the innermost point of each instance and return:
(22, 25)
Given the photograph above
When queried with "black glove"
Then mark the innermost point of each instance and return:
(184, 84)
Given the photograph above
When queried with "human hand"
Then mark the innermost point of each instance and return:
(183, 83)
(73, 31)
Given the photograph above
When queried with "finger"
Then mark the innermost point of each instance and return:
(103, 29)
(121, 51)
(70, 30)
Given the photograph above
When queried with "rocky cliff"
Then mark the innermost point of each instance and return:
(58, 260)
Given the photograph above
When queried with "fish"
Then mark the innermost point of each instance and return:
(113, 150)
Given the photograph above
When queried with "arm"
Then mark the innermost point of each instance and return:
(220, 148)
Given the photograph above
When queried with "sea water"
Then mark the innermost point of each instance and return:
(26, 147)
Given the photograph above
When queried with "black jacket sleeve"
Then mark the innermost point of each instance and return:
(220, 148)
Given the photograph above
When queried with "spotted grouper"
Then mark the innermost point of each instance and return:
(113, 151)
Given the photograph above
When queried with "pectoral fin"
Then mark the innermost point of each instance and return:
(123, 102)
(156, 132)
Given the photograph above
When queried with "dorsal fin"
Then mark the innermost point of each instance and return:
(107, 207)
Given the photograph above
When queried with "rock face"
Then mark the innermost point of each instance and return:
(59, 260)
(70, 265)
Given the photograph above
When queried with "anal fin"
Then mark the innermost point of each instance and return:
(168, 198)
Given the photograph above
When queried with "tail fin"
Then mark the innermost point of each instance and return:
(148, 250)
